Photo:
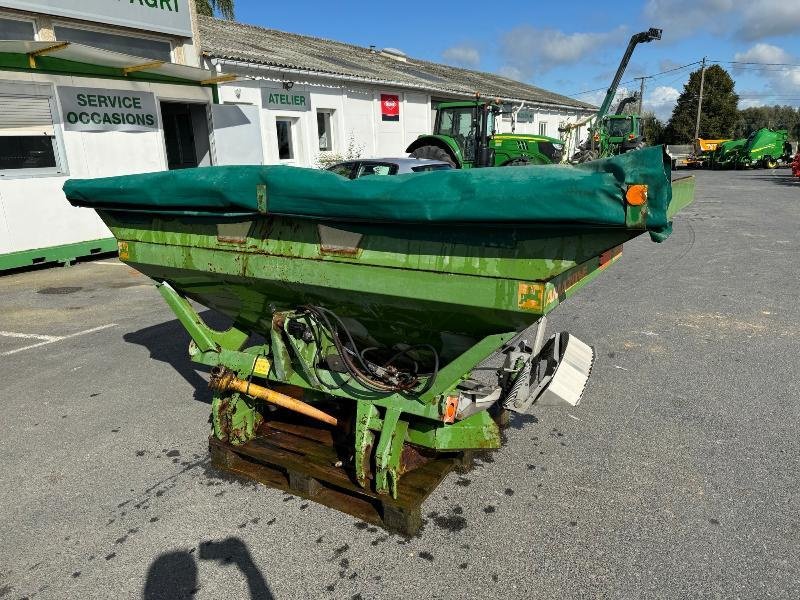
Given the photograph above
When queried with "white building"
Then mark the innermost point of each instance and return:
(317, 96)
(90, 88)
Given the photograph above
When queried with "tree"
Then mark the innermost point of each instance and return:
(652, 129)
(719, 112)
(777, 117)
(211, 7)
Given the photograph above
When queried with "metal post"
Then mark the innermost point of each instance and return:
(641, 93)
(700, 100)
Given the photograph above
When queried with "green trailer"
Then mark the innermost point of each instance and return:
(376, 300)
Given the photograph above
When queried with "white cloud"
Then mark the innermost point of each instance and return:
(769, 18)
(661, 100)
(750, 103)
(763, 53)
(510, 72)
(597, 97)
(680, 18)
(780, 79)
(462, 55)
(532, 50)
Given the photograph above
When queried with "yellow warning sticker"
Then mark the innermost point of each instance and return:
(261, 368)
(529, 296)
(123, 250)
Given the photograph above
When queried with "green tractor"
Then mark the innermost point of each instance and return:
(612, 134)
(620, 132)
(465, 136)
(766, 148)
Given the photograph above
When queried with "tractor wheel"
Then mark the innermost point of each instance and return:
(584, 157)
(433, 153)
(770, 163)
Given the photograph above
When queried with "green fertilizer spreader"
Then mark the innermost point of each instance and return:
(380, 296)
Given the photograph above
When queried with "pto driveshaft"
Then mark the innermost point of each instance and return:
(223, 380)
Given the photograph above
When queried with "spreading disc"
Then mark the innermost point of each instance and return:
(571, 374)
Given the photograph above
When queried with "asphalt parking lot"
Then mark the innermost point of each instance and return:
(677, 476)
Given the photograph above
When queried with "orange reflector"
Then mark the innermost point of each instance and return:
(636, 194)
(596, 137)
(631, 136)
(450, 409)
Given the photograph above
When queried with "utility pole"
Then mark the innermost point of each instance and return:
(641, 93)
(700, 99)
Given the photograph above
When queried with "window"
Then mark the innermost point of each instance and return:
(343, 169)
(542, 128)
(146, 47)
(11, 29)
(455, 121)
(28, 144)
(620, 127)
(283, 129)
(426, 168)
(324, 130)
(367, 169)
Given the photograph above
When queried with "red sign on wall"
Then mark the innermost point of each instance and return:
(390, 107)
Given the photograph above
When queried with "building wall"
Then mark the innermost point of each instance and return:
(357, 123)
(34, 212)
(356, 120)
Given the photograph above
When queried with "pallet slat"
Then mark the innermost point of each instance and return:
(302, 460)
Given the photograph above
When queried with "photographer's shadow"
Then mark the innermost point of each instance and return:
(174, 575)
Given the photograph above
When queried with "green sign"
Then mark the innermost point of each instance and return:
(279, 99)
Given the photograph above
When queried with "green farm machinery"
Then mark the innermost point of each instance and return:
(609, 134)
(765, 148)
(726, 154)
(465, 136)
(362, 311)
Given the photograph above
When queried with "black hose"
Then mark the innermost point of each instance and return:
(364, 373)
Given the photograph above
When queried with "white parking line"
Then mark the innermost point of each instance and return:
(33, 336)
(47, 339)
(110, 264)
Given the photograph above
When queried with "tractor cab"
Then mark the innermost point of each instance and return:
(466, 123)
(622, 132)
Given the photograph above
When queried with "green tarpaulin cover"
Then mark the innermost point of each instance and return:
(591, 193)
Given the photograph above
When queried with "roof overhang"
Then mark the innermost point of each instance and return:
(233, 64)
(60, 56)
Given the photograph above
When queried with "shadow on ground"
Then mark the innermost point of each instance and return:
(168, 342)
(174, 575)
(782, 178)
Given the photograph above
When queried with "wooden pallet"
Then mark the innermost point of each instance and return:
(301, 459)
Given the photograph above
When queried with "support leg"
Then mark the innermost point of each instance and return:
(367, 419)
(389, 452)
(235, 418)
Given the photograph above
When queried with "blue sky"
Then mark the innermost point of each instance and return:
(574, 47)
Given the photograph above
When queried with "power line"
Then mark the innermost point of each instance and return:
(738, 62)
(697, 62)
